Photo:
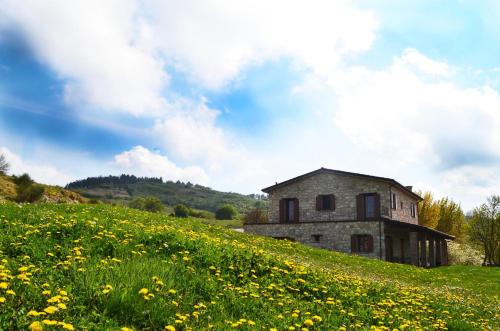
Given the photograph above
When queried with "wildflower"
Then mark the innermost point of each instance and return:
(317, 318)
(172, 291)
(61, 306)
(67, 326)
(126, 329)
(308, 322)
(143, 291)
(4, 285)
(33, 313)
(169, 328)
(63, 293)
(49, 322)
(51, 309)
(35, 326)
(2, 299)
(107, 289)
(46, 292)
(10, 292)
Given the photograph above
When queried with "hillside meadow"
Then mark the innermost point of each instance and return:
(98, 267)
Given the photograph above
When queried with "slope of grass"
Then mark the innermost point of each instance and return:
(54, 194)
(109, 268)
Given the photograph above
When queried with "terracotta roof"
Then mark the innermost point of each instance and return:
(340, 172)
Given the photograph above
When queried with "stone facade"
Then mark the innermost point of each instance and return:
(332, 235)
(345, 188)
(402, 209)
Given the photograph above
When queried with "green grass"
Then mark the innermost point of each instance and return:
(209, 277)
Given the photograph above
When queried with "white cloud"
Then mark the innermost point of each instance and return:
(99, 48)
(213, 41)
(42, 173)
(141, 161)
(111, 53)
(410, 118)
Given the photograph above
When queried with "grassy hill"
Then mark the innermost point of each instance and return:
(110, 268)
(51, 193)
(125, 188)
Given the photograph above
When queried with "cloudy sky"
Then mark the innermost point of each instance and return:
(237, 95)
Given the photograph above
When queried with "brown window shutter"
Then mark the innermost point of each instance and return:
(354, 243)
(370, 244)
(296, 210)
(282, 211)
(332, 199)
(377, 205)
(360, 206)
(319, 202)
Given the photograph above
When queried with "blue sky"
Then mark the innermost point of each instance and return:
(238, 95)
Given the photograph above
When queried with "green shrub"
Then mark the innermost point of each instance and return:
(23, 180)
(151, 204)
(256, 215)
(201, 214)
(181, 211)
(226, 212)
(29, 193)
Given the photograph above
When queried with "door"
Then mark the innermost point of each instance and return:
(389, 252)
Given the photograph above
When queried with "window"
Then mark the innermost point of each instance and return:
(393, 201)
(289, 210)
(413, 210)
(370, 206)
(325, 202)
(361, 243)
(316, 238)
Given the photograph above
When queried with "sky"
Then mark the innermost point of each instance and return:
(238, 95)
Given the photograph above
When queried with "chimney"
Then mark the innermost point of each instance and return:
(410, 188)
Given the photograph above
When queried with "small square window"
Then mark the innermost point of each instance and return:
(316, 238)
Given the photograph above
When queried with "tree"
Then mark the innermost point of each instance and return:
(181, 210)
(27, 190)
(451, 218)
(226, 212)
(4, 165)
(428, 210)
(485, 229)
(151, 204)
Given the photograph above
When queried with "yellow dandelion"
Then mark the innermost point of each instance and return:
(10, 292)
(4, 285)
(35, 326)
(49, 322)
(143, 291)
(170, 328)
(308, 322)
(67, 326)
(51, 309)
(2, 299)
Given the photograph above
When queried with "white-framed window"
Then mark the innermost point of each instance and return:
(413, 209)
(394, 201)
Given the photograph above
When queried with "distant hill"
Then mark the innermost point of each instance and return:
(123, 189)
(51, 193)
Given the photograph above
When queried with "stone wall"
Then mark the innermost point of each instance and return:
(345, 188)
(404, 214)
(333, 235)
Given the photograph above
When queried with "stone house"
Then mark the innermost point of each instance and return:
(353, 213)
